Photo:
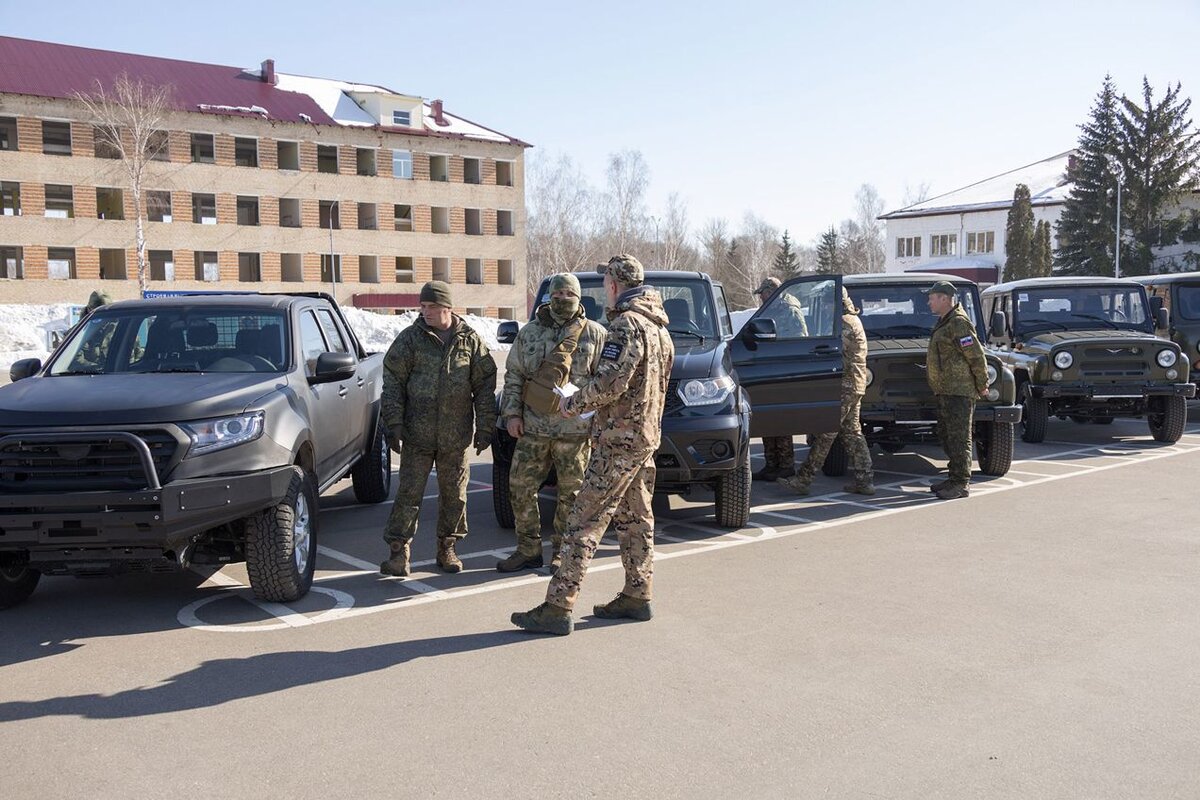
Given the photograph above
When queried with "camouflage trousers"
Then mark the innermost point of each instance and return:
(779, 452)
(532, 460)
(617, 487)
(858, 454)
(415, 465)
(955, 417)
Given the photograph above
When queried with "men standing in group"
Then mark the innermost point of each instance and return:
(788, 316)
(854, 386)
(561, 344)
(957, 374)
(627, 393)
(439, 383)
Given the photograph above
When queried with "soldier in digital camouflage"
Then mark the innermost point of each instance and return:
(439, 384)
(627, 393)
(559, 345)
(854, 386)
(957, 374)
(778, 451)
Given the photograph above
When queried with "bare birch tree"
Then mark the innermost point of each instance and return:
(129, 117)
(560, 231)
(676, 254)
(625, 207)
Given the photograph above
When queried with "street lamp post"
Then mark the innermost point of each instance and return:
(1118, 173)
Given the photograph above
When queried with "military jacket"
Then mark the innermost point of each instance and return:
(629, 388)
(854, 355)
(435, 395)
(534, 342)
(955, 364)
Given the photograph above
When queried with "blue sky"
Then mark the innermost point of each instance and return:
(780, 108)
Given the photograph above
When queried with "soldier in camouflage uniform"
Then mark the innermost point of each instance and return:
(778, 451)
(627, 393)
(439, 382)
(957, 374)
(544, 437)
(854, 386)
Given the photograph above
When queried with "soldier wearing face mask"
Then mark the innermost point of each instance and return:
(561, 344)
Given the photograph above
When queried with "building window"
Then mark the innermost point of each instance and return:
(441, 269)
(289, 155)
(245, 152)
(60, 263)
(112, 265)
(158, 206)
(162, 265)
(439, 168)
(249, 268)
(981, 242)
(472, 173)
(505, 274)
(402, 164)
(504, 173)
(439, 219)
(908, 247)
(158, 145)
(404, 270)
(403, 218)
(474, 224)
(203, 149)
(504, 223)
(402, 118)
(11, 266)
(10, 199)
(331, 268)
(247, 210)
(474, 270)
(291, 267)
(943, 244)
(368, 269)
(506, 312)
(56, 138)
(8, 133)
(328, 215)
(102, 147)
(365, 161)
(204, 210)
(206, 266)
(368, 220)
(327, 158)
(289, 212)
(110, 203)
(475, 311)
(60, 202)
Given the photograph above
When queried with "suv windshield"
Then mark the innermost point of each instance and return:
(901, 311)
(176, 340)
(1064, 308)
(1187, 302)
(688, 304)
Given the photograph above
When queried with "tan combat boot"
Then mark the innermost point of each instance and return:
(625, 607)
(447, 559)
(863, 484)
(397, 564)
(520, 560)
(546, 618)
(798, 483)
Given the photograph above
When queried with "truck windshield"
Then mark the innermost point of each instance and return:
(157, 339)
(688, 304)
(1065, 308)
(901, 311)
(1187, 302)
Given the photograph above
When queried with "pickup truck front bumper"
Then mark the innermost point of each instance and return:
(916, 415)
(1119, 391)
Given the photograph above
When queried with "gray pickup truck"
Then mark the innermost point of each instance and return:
(187, 430)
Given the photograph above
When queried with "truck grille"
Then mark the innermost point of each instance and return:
(901, 380)
(1097, 363)
(87, 465)
(674, 403)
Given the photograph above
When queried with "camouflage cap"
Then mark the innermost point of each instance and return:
(625, 270)
(768, 286)
(565, 281)
(943, 287)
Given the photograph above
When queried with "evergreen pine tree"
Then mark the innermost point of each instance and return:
(1018, 236)
(1085, 228)
(786, 264)
(1043, 252)
(828, 252)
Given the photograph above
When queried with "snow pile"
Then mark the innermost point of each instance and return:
(739, 318)
(376, 331)
(24, 330)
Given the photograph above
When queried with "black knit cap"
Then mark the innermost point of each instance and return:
(437, 292)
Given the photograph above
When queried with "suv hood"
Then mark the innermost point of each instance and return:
(127, 399)
(695, 360)
(1050, 339)
(891, 347)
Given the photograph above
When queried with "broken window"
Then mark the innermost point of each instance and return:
(504, 272)
(158, 145)
(289, 155)
(11, 266)
(245, 152)
(365, 161)
(110, 203)
(162, 265)
(10, 199)
(249, 267)
(474, 270)
(112, 265)
(206, 266)
(103, 147)
(291, 267)
(60, 263)
(8, 133)
(441, 269)
(504, 173)
(328, 216)
(368, 269)
(404, 270)
(56, 138)
(471, 170)
(289, 212)
(504, 223)
(60, 201)
(327, 158)
(247, 210)
(506, 312)
(367, 219)
(402, 164)
(331, 268)
(476, 311)
(203, 149)
(204, 210)
(403, 218)
(440, 219)
(158, 206)
(439, 168)
(473, 222)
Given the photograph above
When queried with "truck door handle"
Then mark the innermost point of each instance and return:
(343, 391)
(824, 348)
(360, 381)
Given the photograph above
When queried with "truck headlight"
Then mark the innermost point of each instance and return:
(1165, 358)
(870, 376)
(1063, 359)
(706, 391)
(992, 374)
(211, 435)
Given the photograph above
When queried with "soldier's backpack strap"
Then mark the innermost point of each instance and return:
(553, 371)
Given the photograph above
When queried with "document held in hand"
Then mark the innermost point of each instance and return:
(568, 389)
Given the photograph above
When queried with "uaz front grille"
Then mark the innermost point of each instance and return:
(58, 462)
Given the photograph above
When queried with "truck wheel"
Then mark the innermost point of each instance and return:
(372, 475)
(501, 502)
(837, 461)
(733, 495)
(994, 447)
(1167, 417)
(1102, 420)
(16, 584)
(281, 543)
(1035, 411)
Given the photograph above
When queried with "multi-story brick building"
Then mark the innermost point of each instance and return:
(269, 182)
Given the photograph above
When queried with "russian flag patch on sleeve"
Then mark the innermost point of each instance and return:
(966, 341)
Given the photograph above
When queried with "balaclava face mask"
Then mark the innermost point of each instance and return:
(563, 308)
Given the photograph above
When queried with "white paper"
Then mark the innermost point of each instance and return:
(568, 389)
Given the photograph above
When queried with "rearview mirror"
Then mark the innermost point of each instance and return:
(333, 367)
(999, 325)
(761, 329)
(1162, 317)
(1156, 302)
(25, 368)
(507, 332)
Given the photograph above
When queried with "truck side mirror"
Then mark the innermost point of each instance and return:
(507, 332)
(25, 368)
(999, 325)
(333, 367)
(1162, 317)
(761, 330)
(1156, 302)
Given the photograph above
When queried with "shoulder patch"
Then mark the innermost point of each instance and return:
(966, 341)
(612, 351)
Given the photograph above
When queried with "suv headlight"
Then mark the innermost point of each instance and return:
(870, 376)
(992, 374)
(211, 435)
(1165, 358)
(706, 391)
(1063, 359)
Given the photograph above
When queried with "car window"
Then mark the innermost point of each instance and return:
(333, 334)
(902, 310)
(312, 343)
(687, 302)
(1080, 307)
(803, 310)
(723, 312)
(1187, 304)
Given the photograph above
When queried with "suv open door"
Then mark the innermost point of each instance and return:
(788, 358)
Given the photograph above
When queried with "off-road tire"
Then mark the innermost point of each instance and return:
(733, 495)
(272, 540)
(1167, 417)
(1035, 412)
(837, 462)
(372, 475)
(16, 584)
(501, 500)
(994, 447)
(1102, 420)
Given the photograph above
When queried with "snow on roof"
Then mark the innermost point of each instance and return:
(331, 96)
(1047, 182)
(461, 127)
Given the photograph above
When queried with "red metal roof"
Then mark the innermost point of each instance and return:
(45, 69)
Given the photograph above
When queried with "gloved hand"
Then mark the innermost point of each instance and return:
(394, 437)
(482, 440)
